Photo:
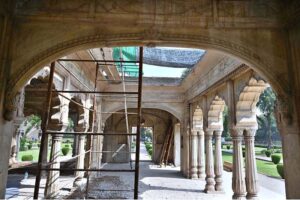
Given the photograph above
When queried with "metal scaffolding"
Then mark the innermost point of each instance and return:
(92, 132)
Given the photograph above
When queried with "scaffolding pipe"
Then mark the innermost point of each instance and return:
(44, 126)
(138, 137)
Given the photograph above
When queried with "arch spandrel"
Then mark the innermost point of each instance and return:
(23, 68)
(215, 117)
(246, 105)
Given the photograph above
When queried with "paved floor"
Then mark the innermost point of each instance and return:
(155, 183)
(144, 156)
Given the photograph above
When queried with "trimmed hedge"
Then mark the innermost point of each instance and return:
(67, 145)
(228, 147)
(275, 158)
(27, 158)
(280, 170)
(268, 153)
(65, 150)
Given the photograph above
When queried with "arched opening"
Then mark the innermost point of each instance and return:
(115, 123)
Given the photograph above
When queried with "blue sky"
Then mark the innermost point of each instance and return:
(157, 71)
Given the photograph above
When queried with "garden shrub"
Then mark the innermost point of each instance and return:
(280, 170)
(228, 147)
(268, 153)
(244, 153)
(68, 141)
(66, 145)
(29, 146)
(276, 158)
(65, 150)
(27, 158)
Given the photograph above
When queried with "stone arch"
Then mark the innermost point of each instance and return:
(246, 105)
(198, 119)
(146, 37)
(76, 113)
(215, 118)
(34, 103)
(161, 106)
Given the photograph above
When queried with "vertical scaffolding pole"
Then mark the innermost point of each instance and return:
(89, 137)
(44, 126)
(138, 136)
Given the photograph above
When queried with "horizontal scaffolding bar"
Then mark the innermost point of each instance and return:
(98, 61)
(75, 102)
(89, 170)
(92, 92)
(120, 81)
(87, 133)
(114, 96)
(112, 152)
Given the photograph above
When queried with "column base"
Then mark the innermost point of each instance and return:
(238, 196)
(201, 176)
(252, 196)
(80, 183)
(194, 177)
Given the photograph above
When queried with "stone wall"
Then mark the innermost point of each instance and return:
(159, 120)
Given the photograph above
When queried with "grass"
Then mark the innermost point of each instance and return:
(35, 153)
(263, 167)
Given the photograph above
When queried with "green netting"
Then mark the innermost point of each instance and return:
(127, 54)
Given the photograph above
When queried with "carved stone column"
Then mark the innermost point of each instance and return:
(187, 151)
(218, 161)
(238, 183)
(251, 170)
(194, 152)
(201, 167)
(52, 179)
(80, 160)
(209, 162)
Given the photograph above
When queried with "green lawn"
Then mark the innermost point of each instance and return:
(35, 153)
(263, 167)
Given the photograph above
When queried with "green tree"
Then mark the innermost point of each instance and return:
(266, 120)
(33, 121)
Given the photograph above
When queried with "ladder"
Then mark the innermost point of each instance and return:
(164, 156)
(92, 132)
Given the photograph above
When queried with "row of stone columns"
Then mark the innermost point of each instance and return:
(238, 180)
(197, 154)
(214, 164)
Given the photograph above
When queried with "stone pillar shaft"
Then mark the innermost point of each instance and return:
(218, 160)
(80, 159)
(52, 179)
(194, 162)
(238, 183)
(251, 170)
(201, 167)
(209, 162)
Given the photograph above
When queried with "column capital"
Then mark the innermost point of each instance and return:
(250, 132)
(237, 132)
(57, 137)
(209, 132)
(218, 132)
(201, 132)
(193, 132)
